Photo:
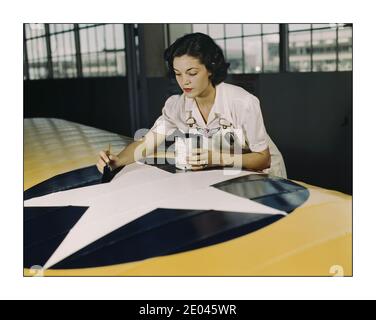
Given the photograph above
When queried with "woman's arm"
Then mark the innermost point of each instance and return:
(131, 153)
(252, 161)
(256, 161)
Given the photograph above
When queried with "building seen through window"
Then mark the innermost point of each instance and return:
(63, 50)
(250, 48)
(35, 55)
(320, 47)
(98, 50)
(254, 48)
(69, 50)
(102, 49)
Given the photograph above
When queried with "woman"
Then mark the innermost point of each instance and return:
(209, 107)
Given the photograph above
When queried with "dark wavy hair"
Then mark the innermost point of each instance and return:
(202, 47)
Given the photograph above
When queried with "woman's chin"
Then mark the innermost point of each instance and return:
(189, 94)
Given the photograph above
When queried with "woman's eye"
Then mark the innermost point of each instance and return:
(192, 74)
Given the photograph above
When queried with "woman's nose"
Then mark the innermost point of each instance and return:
(186, 81)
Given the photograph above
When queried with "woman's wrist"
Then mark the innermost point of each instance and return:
(121, 160)
(226, 160)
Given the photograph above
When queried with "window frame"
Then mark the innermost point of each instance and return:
(284, 43)
(49, 59)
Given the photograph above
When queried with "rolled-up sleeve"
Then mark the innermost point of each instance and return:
(166, 123)
(253, 125)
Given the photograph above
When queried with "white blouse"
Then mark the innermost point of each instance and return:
(236, 106)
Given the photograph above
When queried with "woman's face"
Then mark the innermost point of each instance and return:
(191, 75)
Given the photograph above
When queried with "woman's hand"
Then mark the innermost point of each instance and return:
(105, 158)
(200, 159)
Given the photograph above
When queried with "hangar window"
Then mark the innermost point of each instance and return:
(73, 50)
(35, 51)
(320, 47)
(250, 48)
(102, 50)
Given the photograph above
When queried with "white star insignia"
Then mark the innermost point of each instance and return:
(137, 190)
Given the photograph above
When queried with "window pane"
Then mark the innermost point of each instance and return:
(38, 69)
(299, 51)
(89, 41)
(58, 27)
(320, 25)
(98, 64)
(62, 44)
(99, 38)
(299, 26)
(234, 55)
(30, 51)
(58, 69)
(120, 63)
(34, 30)
(52, 27)
(233, 30)
(252, 55)
(271, 53)
(93, 62)
(221, 43)
(200, 27)
(102, 66)
(112, 63)
(64, 67)
(270, 28)
(109, 37)
(71, 67)
(216, 30)
(81, 25)
(43, 70)
(84, 41)
(252, 29)
(32, 74)
(37, 49)
(85, 58)
(119, 36)
(41, 48)
(57, 48)
(324, 50)
(345, 49)
(90, 33)
(27, 31)
(102, 49)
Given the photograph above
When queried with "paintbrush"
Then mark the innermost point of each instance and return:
(108, 153)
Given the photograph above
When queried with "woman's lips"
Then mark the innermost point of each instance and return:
(187, 90)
